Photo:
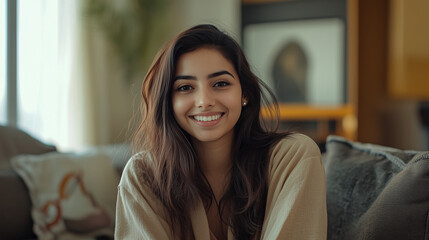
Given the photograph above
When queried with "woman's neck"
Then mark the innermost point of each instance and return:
(215, 159)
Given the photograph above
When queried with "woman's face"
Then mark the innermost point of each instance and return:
(207, 96)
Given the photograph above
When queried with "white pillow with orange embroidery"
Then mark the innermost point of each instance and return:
(73, 195)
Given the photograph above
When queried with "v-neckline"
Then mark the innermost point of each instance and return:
(200, 224)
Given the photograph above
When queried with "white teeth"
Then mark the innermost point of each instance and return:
(207, 118)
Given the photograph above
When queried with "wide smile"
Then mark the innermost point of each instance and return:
(207, 120)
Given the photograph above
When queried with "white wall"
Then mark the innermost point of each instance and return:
(225, 14)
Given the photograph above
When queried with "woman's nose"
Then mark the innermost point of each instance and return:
(204, 98)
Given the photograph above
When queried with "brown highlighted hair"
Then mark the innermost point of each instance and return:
(173, 172)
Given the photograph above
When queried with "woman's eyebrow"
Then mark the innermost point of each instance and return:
(211, 75)
(185, 77)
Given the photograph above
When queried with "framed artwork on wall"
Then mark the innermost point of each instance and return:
(306, 53)
(302, 61)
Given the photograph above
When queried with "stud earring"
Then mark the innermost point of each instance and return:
(244, 104)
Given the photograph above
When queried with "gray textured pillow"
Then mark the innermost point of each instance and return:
(371, 191)
(401, 209)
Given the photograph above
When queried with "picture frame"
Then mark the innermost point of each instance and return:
(341, 16)
(299, 49)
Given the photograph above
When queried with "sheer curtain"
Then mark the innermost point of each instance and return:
(70, 87)
(49, 73)
(3, 117)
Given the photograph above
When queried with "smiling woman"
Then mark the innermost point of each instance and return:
(205, 166)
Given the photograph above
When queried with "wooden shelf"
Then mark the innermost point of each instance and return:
(343, 115)
(260, 1)
(310, 112)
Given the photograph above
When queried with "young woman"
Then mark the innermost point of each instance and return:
(206, 168)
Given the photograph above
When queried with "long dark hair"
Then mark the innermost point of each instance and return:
(173, 171)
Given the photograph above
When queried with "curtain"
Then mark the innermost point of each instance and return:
(70, 91)
(48, 54)
(3, 118)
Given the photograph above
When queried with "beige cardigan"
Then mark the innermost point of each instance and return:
(296, 201)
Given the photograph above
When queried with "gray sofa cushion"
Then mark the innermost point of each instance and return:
(401, 209)
(368, 186)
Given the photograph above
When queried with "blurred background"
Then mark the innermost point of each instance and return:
(71, 71)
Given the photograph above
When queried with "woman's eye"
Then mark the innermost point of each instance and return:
(184, 88)
(221, 84)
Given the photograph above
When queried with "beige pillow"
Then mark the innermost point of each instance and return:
(73, 196)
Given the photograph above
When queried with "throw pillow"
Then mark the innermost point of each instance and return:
(15, 220)
(401, 210)
(73, 195)
(365, 181)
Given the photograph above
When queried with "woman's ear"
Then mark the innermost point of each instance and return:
(244, 101)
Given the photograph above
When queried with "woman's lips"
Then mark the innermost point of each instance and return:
(207, 120)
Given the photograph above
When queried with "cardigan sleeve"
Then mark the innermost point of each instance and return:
(139, 215)
(296, 200)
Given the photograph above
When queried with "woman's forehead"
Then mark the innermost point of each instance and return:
(204, 60)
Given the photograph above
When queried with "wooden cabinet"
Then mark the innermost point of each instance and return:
(408, 65)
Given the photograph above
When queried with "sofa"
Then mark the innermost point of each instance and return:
(373, 192)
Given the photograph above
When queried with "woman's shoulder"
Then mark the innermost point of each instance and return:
(137, 199)
(135, 162)
(294, 147)
(135, 169)
(298, 142)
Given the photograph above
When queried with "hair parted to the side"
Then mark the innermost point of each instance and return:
(173, 172)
